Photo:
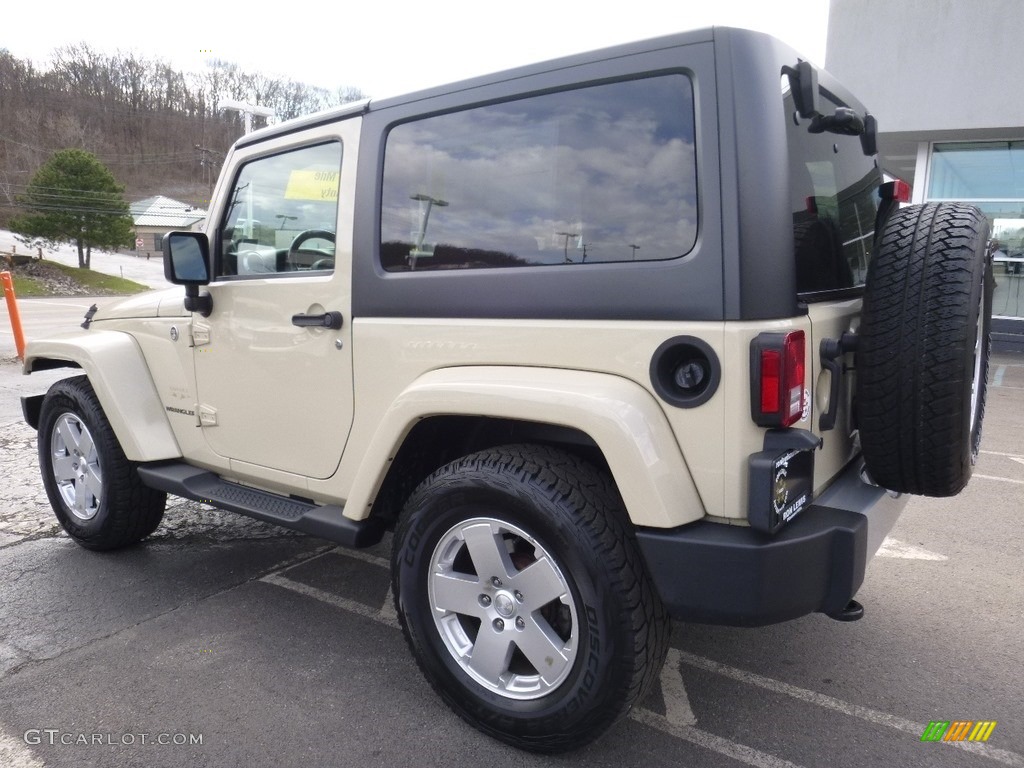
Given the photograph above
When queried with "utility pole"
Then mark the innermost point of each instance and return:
(206, 163)
(426, 204)
(567, 235)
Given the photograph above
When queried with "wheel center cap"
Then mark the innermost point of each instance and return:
(504, 604)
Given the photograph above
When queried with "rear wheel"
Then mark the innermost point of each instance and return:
(93, 488)
(520, 590)
(923, 354)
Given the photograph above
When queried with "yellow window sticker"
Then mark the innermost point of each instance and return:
(312, 185)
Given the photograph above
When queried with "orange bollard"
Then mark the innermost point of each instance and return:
(12, 310)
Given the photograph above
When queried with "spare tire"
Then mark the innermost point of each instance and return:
(923, 349)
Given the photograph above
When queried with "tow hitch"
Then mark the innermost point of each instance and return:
(853, 611)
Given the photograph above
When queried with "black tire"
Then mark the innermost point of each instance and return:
(93, 488)
(563, 518)
(923, 350)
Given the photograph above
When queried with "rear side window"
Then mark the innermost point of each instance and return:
(605, 173)
(834, 198)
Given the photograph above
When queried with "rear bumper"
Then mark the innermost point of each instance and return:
(721, 574)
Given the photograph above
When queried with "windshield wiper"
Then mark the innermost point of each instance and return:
(803, 82)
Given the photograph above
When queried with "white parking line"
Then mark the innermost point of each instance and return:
(894, 548)
(1000, 479)
(853, 710)
(677, 703)
(1014, 457)
(353, 606)
(738, 752)
(387, 611)
(14, 754)
(366, 557)
(679, 720)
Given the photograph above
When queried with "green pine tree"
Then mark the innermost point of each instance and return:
(74, 198)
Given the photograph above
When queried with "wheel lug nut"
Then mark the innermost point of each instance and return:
(520, 624)
(485, 600)
(495, 581)
(499, 625)
(519, 595)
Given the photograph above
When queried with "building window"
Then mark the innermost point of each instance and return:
(599, 174)
(989, 175)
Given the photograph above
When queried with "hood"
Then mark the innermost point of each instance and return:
(164, 303)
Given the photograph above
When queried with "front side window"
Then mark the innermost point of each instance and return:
(605, 173)
(282, 214)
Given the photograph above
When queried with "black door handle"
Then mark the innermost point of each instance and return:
(332, 320)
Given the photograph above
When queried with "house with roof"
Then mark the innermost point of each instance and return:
(156, 216)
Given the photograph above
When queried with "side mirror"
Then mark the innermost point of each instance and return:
(187, 262)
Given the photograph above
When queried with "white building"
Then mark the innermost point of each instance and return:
(944, 78)
(155, 216)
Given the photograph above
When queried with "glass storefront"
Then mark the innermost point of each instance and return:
(989, 175)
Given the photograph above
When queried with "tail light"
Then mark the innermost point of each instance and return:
(777, 378)
(897, 190)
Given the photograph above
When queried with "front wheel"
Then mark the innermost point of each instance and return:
(93, 488)
(521, 592)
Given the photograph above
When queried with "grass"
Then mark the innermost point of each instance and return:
(100, 282)
(25, 286)
(95, 283)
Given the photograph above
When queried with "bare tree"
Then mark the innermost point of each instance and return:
(158, 129)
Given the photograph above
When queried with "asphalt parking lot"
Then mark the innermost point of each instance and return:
(222, 641)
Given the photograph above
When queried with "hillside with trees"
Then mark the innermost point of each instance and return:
(156, 128)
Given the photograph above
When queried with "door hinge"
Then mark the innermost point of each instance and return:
(200, 334)
(207, 416)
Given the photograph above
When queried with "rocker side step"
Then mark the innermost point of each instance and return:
(327, 522)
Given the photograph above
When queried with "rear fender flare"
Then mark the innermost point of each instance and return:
(621, 417)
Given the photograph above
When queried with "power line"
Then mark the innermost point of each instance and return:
(121, 159)
(82, 195)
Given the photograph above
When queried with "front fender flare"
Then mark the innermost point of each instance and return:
(117, 370)
(621, 417)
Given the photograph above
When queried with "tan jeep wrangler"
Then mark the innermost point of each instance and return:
(636, 334)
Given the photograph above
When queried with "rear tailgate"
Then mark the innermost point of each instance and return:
(829, 320)
(834, 196)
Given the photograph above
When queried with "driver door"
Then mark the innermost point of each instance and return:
(273, 360)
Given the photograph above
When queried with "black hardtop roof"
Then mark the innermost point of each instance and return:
(678, 39)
